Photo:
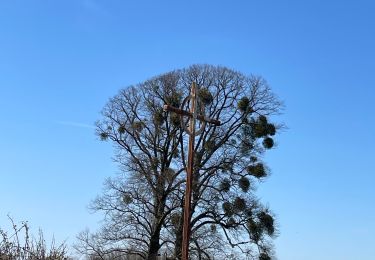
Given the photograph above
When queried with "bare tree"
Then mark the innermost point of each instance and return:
(144, 205)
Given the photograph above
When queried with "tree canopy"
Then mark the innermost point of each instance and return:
(143, 204)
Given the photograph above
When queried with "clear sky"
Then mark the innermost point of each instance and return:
(60, 61)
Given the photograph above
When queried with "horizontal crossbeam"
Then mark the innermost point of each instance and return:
(187, 113)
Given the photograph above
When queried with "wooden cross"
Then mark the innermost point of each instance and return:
(193, 115)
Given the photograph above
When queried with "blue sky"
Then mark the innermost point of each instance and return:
(60, 61)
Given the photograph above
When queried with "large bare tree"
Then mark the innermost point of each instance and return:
(143, 205)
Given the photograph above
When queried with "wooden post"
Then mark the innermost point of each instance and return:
(189, 179)
(193, 115)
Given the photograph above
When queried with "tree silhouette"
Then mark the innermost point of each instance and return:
(143, 205)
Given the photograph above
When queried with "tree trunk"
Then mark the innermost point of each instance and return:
(178, 241)
(157, 224)
(154, 246)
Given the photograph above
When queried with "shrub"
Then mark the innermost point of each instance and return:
(158, 117)
(225, 185)
(243, 104)
(239, 204)
(228, 208)
(267, 222)
(257, 170)
(121, 129)
(264, 256)
(268, 142)
(205, 95)
(20, 246)
(244, 184)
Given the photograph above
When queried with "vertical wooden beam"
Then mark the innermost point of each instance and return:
(193, 115)
(189, 179)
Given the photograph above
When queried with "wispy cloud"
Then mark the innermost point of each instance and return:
(75, 124)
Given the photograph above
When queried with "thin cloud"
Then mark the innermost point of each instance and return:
(75, 124)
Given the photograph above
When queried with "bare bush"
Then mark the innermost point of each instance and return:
(17, 244)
